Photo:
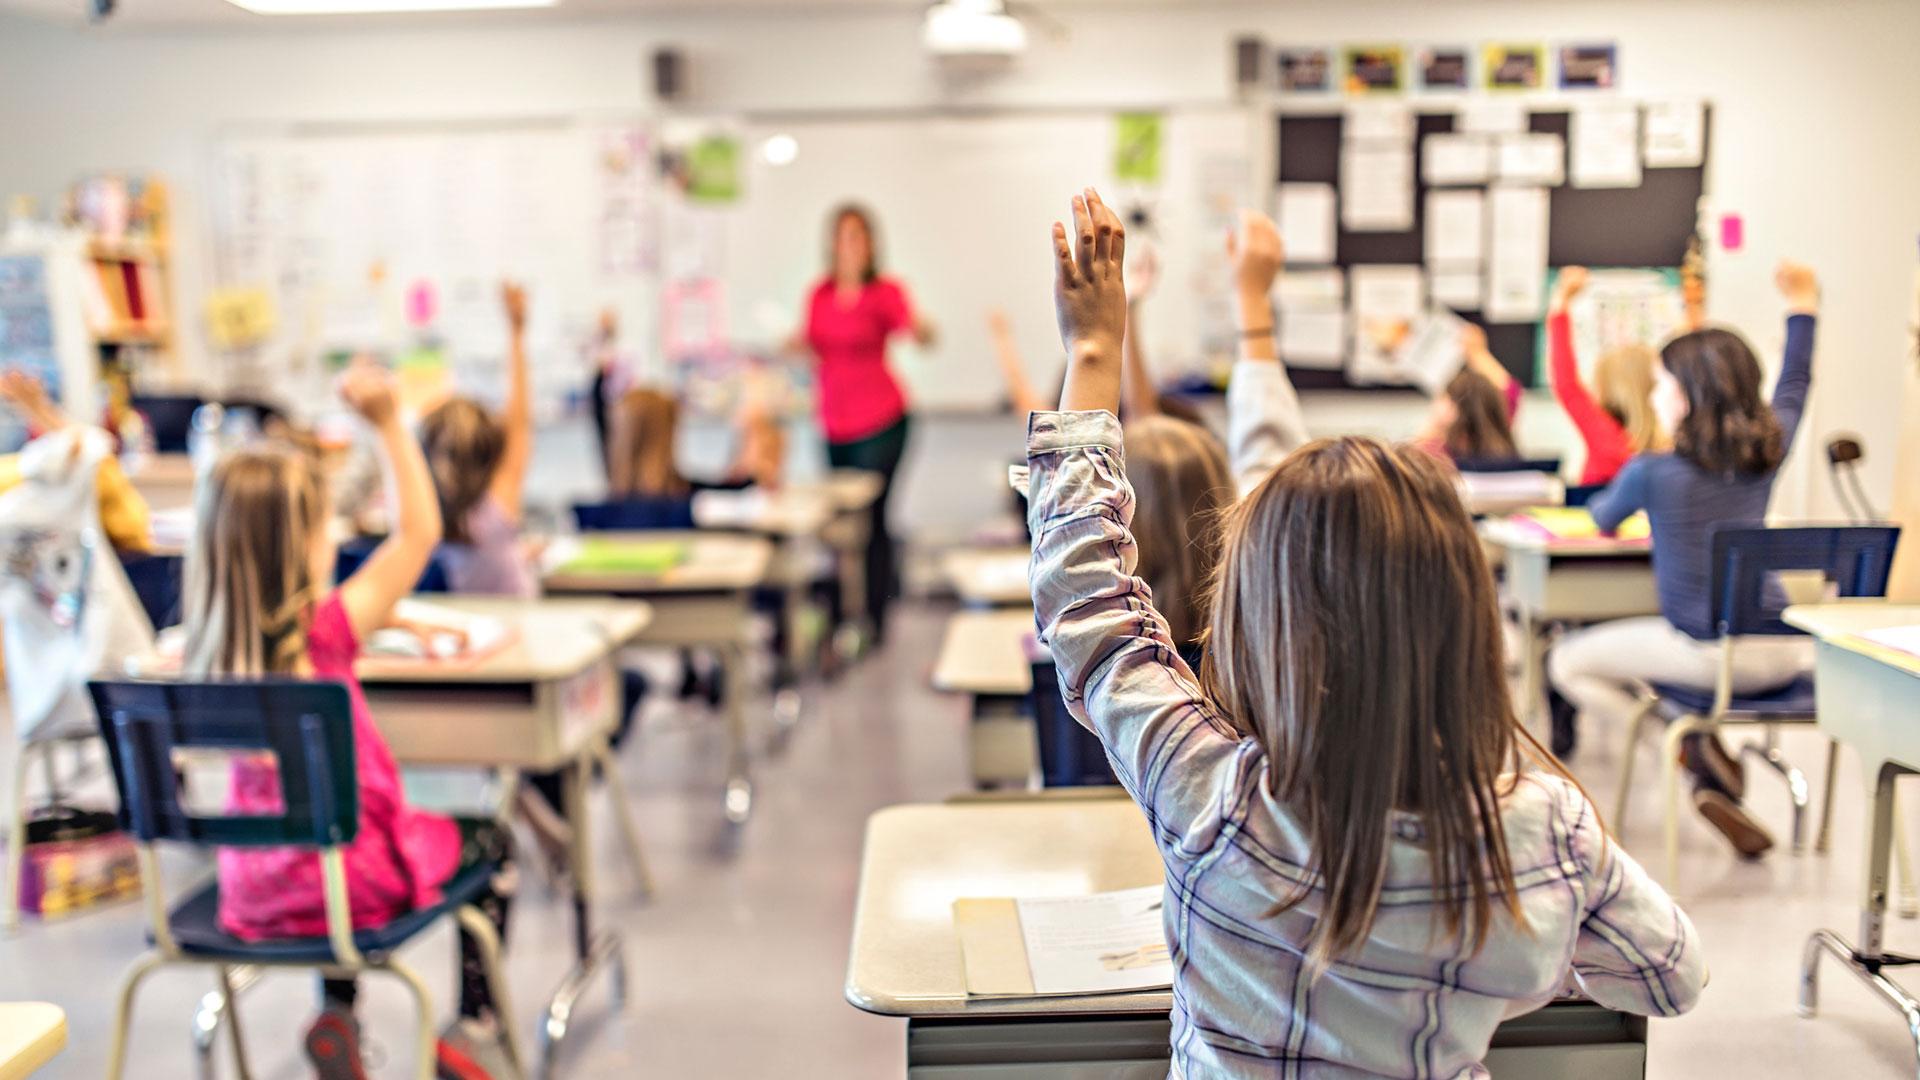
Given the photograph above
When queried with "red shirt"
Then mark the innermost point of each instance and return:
(859, 396)
(1608, 447)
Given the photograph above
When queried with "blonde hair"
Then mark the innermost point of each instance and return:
(249, 588)
(1623, 381)
(463, 444)
(646, 424)
(1356, 635)
(1182, 486)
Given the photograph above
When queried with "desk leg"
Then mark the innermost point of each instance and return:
(1533, 669)
(739, 794)
(788, 698)
(595, 951)
(623, 816)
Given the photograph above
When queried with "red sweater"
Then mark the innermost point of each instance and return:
(1608, 447)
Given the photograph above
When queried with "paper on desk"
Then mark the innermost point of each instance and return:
(1904, 639)
(1376, 187)
(437, 633)
(1455, 158)
(1675, 134)
(1456, 228)
(1490, 116)
(1306, 220)
(1096, 944)
(1517, 255)
(1606, 144)
(1531, 158)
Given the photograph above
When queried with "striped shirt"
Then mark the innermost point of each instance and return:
(1685, 502)
(1409, 1002)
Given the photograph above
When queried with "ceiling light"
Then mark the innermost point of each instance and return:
(780, 149)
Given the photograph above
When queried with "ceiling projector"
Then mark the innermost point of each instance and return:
(972, 28)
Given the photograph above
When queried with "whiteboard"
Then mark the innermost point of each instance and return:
(381, 237)
(964, 204)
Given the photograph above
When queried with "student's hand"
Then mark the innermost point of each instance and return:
(513, 300)
(1572, 279)
(1089, 294)
(368, 390)
(1256, 254)
(1473, 339)
(998, 324)
(29, 399)
(1142, 276)
(1798, 284)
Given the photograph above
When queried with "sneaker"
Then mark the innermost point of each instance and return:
(333, 1046)
(472, 1049)
(1709, 760)
(1748, 837)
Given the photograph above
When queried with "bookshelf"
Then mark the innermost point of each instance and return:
(128, 295)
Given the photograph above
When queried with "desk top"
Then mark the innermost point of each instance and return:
(918, 860)
(1514, 538)
(715, 562)
(990, 577)
(984, 652)
(786, 513)
(31, 1033)
(1839, 622)
(556, 639)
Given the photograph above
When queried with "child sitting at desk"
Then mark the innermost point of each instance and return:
(1471, 421)
(1369, 862)
(1728, 444)
(257, 605)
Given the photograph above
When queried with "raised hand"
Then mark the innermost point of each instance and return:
(513, 300)
(1568, 285)
(1256, 255)
(1797, 283)
(1090, 301)
(1143, 275)
(368, 390)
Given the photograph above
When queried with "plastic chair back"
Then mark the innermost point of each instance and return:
(1501, 465)
(156, 581)
(644, 512)
(1070, 755)
(306, 725)
(1855, 559)
(354, 552)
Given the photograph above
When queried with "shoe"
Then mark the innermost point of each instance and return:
(1708, 759)
(472, 1049)
(333, 1046)
(1565, 729)
(1748, 837)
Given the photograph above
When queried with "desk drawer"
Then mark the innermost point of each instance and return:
(522, 725)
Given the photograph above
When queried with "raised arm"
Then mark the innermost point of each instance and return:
(1138, 397)
(28, 399)
(1090, 301)
(1801, 290)
(394, 568)
(1637, 951)
(1013, 370)
(1594, 422)
(1264, 420)
(1623, 498)
(510, 478)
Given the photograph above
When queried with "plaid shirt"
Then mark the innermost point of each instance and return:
(1409, 1002)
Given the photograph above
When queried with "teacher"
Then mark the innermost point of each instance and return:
(851, 314)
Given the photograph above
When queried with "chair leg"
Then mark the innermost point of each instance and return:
(1768, 751)
(1632, 743)
(1908, 904)
(1821, 841)
(623, 817)
(227, 987)
(475, 922)
(123, 1011)
(425, 1057)
(16, 841)
(1670, 773)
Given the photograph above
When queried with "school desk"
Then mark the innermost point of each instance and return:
(852, 494)
(1868, 696)
(989, 577)
(31, 1033)
(1567, 581)
(905, 959)
(165, 481)
(703, 602)
(795, 518)
(984, 656)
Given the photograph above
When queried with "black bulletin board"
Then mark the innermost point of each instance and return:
(1647, 225)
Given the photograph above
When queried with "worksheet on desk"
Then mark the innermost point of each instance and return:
(1095, 944)
(1905, 639)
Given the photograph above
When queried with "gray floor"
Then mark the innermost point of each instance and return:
(737, 964)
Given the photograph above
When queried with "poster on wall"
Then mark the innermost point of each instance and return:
(1375, 69)
(1305, 70)
(26, 334)
(1589, 67)
(1445, 67)
(1512, 66)
(1136, 148)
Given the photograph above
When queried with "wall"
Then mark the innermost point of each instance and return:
(1814, 139)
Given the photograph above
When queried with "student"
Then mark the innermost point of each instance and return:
(257, 605)
(1472, 420)
(124, 516)
(1620, 422)
(1370, 865)
(1728, 443)
(479, 464)
(646, 433)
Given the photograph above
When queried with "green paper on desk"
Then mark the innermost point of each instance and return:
(626, 557)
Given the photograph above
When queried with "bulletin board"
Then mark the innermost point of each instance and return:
(1644, 226)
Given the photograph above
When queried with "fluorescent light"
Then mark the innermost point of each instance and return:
(780, 149)
(379, 7)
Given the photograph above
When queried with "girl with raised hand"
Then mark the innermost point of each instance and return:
(1615, 418)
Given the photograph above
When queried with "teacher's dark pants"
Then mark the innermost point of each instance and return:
(878, 453)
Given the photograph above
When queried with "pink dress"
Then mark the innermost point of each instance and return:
(396, 863)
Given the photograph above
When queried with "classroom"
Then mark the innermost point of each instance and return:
(959, 539)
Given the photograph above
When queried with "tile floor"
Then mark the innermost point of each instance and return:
(737, 965)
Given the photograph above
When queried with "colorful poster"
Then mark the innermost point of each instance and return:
(1446, 67)
(1305, 71)
(1376, 69)
(1589, 67)
(713, 169)
(26, 334)
(1514, 66)
(1136, 148)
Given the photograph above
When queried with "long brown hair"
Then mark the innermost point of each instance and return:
(1356, 635)
(864, 216)
(1181, 486)
(463, 444)
(249, 587)
(646, 425)
(1623, 381)
(1481, 429)
(1729, 428)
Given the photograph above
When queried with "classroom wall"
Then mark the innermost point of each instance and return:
(1813, 143)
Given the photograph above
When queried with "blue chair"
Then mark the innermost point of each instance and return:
(1582, 494)
(354, 552)
(1070, 755)
(1499, 465)
(156, 583)
(637, 513)
(1855, 561)
(308, 727)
